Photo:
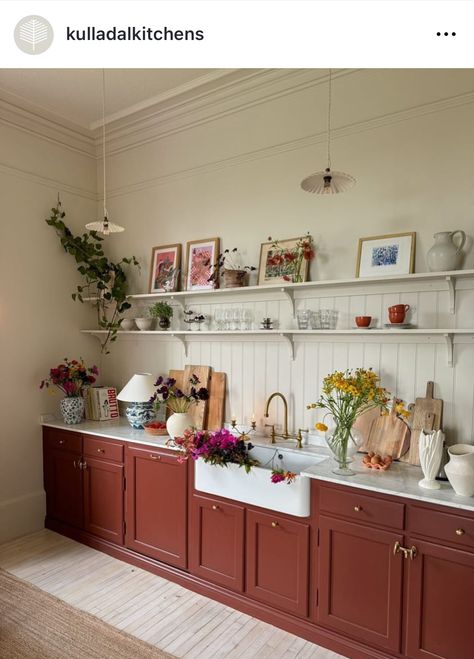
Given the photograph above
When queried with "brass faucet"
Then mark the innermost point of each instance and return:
(286, 434)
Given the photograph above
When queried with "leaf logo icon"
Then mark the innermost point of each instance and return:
(33, 35)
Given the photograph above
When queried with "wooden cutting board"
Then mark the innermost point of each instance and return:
(216, 406)
(198, 412)
(428, 405)
(389, 435)
(363, 424)
(217, 389)
(412, 456)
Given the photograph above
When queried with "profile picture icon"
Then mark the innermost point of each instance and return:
(33, 35)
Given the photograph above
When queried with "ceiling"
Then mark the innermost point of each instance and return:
(76, 94)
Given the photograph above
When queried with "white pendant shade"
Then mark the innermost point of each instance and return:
(104, 227)
(139, 389)
(328, 182)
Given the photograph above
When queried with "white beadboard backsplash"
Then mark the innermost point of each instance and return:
(256, 367)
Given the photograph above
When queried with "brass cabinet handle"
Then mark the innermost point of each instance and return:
(357, 509)
(460, 531)
(155, 457)
(75, 464)
(100, 450)
(214, 507)
(274, 524)
(83, 465)
(410, 553)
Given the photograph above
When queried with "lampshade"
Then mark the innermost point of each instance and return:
(139, 389)
(327, 182)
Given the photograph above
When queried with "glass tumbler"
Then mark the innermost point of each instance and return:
(303, 316)
(328, 318)
(246, 319)
(316, 320)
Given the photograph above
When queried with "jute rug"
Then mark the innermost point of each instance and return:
(37, 625)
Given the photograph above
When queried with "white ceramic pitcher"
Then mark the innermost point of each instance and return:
(445, 254)
(460, 469)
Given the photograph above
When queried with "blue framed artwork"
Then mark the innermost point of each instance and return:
(380, 256)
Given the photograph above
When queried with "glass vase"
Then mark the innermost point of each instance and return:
(343, 447)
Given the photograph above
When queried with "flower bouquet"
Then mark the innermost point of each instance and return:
(175, 399)
(71, 377)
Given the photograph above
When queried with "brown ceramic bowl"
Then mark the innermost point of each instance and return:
(363, 321)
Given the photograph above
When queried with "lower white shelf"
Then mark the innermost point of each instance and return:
(290, 335)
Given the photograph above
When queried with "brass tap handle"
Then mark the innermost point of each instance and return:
(272, 426)
(299, 438)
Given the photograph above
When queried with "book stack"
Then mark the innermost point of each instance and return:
(101, 403)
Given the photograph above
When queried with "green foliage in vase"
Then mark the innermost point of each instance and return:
(105, 280)
(161, 310)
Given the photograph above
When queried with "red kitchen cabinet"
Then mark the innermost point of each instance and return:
(360, 582)
(216, 547)
(63, 485)
(439, 602)
(278, 562)
(156, 510)
(103, 499)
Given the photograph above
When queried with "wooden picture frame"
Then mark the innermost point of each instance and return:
(201, 257)
(164, 268)
(389, 254)
(268, 274)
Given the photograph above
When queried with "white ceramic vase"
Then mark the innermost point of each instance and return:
(460, 469)
(445, 254)
(177, 423)
(431, 451)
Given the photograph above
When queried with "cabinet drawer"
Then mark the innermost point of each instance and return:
(63, 439)
(96, 447)
(445, 527)
(361, 507)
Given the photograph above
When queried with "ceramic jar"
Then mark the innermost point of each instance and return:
(445, 254)
(72, 409)
(177, 423)
(460, 469)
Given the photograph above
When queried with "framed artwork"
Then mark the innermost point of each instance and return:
(165, 266)
(201, 256)
(379, 256)
(277, 264)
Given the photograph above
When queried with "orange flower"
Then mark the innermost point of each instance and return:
(322, 427)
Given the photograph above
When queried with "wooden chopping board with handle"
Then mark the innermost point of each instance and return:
(412, 456)
(217, 390)
(425, 414)
(363, 424)
(198, 412)
(389, 435)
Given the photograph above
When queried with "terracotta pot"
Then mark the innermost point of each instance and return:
(234, 278)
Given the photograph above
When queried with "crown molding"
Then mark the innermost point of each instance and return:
(299, 144)
(54, 184)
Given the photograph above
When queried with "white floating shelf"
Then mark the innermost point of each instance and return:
(289, 335)
(288, 290)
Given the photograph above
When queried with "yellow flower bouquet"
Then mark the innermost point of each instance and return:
(345, 396)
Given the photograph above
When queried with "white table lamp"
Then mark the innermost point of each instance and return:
(138, 391)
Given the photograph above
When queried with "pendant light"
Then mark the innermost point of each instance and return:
(328, 181)
(104, 226)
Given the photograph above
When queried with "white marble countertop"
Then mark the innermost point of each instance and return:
(400, 480)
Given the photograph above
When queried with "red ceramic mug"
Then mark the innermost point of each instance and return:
(363, 321)
(397, 312)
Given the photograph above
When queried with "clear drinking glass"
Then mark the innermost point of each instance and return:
(236, 318)
(328, 318)
(219, 318)
(315, 320)
(228, 318)
(246, 319)
(303, 316)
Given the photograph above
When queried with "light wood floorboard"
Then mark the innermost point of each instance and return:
(158, 611)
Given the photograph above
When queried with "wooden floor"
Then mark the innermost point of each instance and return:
(160, 612)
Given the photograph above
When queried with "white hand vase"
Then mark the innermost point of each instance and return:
(431, 451)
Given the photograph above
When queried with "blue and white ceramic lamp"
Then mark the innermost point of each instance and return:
(137, 392)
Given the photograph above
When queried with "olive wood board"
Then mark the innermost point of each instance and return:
(388, 435)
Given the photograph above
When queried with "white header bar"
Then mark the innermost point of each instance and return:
(237, 34)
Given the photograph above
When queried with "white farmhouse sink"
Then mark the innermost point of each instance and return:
(256, 487)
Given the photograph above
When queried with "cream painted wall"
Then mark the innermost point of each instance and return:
(38, 320)
(408, 138)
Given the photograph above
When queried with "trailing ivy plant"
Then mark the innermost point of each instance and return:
(105, 281)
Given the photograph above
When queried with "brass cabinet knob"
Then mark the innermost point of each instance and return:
(155, 457)
(61, 441)
(274, 524)
(100, 450)
(357, 509)
(214, 507)
(460, 531)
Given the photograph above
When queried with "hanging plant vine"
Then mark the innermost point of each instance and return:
(105, 281)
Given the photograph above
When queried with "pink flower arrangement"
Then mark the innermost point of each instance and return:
(217, 448)
(71, 377)
(280, 476)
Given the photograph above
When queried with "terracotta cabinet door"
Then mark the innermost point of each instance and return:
(278, 562)
(217, 542)
(63, 485)
(156, 513)
(103, 499)
(360, 582)
(439, 603)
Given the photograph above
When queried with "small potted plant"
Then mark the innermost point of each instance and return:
(229, 266)
(164, 312)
